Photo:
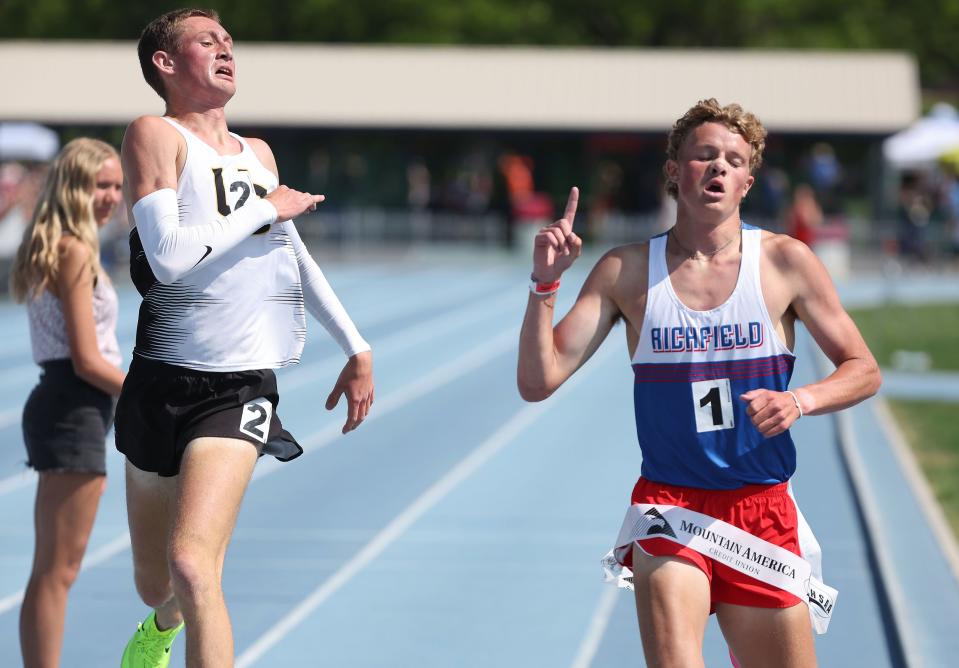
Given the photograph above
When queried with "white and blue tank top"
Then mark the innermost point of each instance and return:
(691, 367)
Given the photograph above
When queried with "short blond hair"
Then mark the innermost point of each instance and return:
(732, 116)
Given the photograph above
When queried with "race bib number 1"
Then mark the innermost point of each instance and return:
(713, 405)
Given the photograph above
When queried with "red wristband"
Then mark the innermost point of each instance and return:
(542, 289)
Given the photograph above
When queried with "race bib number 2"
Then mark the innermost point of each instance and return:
(255, 420)
(713, 405)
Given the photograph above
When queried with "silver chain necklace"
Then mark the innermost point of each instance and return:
(692, 254)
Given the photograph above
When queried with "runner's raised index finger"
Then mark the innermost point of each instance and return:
(571, 203)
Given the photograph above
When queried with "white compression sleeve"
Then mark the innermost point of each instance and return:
(322, 302)
(174, 250)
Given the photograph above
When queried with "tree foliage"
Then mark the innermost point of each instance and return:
(923, 27)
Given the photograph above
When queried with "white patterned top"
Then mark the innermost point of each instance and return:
(48, 328)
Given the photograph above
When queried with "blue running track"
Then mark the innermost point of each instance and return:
(459, 526)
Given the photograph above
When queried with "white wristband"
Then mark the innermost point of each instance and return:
(796, 399)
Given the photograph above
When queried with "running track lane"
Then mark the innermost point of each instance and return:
(501, 568)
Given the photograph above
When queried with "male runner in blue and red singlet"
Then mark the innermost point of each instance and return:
(710, 309)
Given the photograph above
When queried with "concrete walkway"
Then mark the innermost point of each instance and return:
(920, 288)
(865, 290)
(927, 385)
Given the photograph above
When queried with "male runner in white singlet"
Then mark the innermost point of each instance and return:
(226, 282)
(710, 309)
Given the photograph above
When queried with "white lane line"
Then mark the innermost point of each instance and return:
(317, 440)
(370, 316)
(464, 469)
(98, 556)
(11, 601)
(877, 537)
(434, 328)
(17, 481)
(404, 395)
(912, 472)
(322, 369)
(11, 415)
(873, 527)
(597, 627)
(402, 522)
(442, 294)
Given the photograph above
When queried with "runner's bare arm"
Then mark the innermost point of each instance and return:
(549, 355)
(152, 153)
(817, 304)
(74, 286)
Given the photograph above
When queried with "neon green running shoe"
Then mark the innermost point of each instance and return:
(149, 647)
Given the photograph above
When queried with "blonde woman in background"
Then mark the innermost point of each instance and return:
(72, 309)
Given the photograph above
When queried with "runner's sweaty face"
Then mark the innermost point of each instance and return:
(203, 61)
(712, 169)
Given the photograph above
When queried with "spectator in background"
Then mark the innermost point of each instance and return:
(418, 185)
(950, 201)
(804, 216)
(913, 213)
(72, 309)
(419, 194)
(13, 220)
(527, 207)
(952, 198)
(606, 189)
(19, 187)
(771, 193)
(518, 173)
(825, 174)
(25, 150)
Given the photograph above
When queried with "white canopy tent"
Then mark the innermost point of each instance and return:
(925, 141)
(27, 141)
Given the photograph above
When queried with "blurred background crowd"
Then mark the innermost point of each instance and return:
(886, 197)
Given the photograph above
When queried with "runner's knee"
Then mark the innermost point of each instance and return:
(59, 574)
(193, 573)
(59, 562)
(153, 587)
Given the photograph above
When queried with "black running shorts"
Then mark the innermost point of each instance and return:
(163, 407)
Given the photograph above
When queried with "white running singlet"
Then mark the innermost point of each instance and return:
(236, 309)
